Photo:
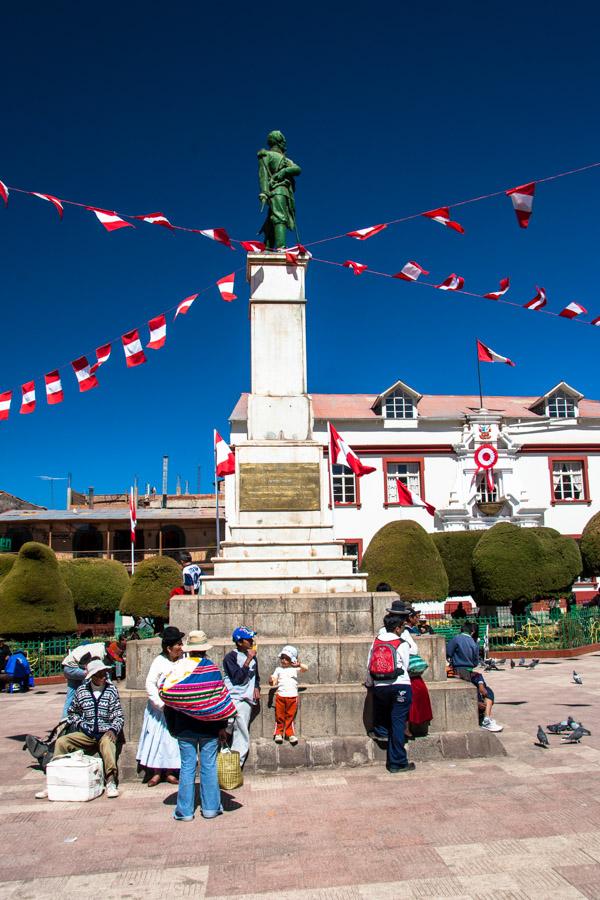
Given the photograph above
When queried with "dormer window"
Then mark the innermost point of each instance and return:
(399, 405)
(562, 406)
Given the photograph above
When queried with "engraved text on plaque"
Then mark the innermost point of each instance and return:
(279, 486)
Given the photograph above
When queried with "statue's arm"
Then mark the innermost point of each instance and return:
(263, 173)
(291, 170)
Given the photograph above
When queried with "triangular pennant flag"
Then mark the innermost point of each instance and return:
(158, 332)
(184, 306)
(224, 457)
(495, 295)
(411, 271)
(572, 311)
(53, 200)
(216, 234)
(5, 400)
(451, 283)
(357, 268)
(4, 193)
(363, 234)
(291, 258)
(132, 347)
(102, 355)
(27, 398)
(110, 220)
(85, 378)
(442, 215)
(406, 497)
(253, 246)
(595, 321)
(226, 287)
(156, 218)
(522, 201)
(539, 301)
(486, 354)
(54, 391)
(342, 454)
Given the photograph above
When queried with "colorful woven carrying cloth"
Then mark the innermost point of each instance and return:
(200, 694)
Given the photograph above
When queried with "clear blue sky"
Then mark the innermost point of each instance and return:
(389, 110)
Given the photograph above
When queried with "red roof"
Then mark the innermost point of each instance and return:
(358, 406)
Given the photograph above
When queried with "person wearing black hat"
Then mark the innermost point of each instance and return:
(158, 751)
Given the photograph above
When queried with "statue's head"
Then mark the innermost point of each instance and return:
(277, 140)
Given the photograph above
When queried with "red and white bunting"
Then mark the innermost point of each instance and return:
(102, 355)
(451, 283)
(85, 378)
(132, 517)
(224, 457)
(495, 295)
(27, 397)
(53, 200)
(54, 391)
(216, 234)
(539, 301)
(253, 246)
(357, 268)
(595, 321)
(522, 201)
(406, 497)
(363, 234)
(486, 354)
(572, 311)
(110, 220)
(156, 218)
(291, 258)
(442, 215)
(5, 400)
(158, 332)
(184, 306)
(411, 271)
(340, 454)
(226, 287)
(300, 250)
(132, 347)
(4, 193)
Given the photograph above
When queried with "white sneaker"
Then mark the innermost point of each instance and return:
(491, 725)
(41, 795)
(112, 790)
(293, 740)
(278, 738)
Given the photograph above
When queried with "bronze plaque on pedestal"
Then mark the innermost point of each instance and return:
(272, 487)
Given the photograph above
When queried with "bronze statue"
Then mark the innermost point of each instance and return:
(277, 178)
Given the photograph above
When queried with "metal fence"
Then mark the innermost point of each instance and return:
(45, 657)
(539, 631)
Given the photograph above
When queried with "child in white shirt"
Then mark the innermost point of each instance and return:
(285, 680)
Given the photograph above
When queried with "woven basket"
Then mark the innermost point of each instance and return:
(229, 770)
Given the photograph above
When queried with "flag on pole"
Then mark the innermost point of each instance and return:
(357, 268)
(486, 354)
(406, 497)
(495, 295)
(410, 271)
(5, 399)
(158, 332)
(110, 220)
(184, 306)
(132, 347)
(27, 398)
(85, 378)
(54, 391)
(224, 457)
(522, 201)
(451, 283)
(363, 234)
(132, 515)
(343, 455)
(226, 286)
(156, 218)
(53, 200)
(102, 355)
(572, 311)
(442, 215)
(539, 301)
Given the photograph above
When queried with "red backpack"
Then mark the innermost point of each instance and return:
(382, 666)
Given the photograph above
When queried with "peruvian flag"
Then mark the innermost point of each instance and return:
(522, 201)
(253, 246)
(53, 200)
(357, 268)
(595, 321)
(343, 455)
(217, 234)
(158, 332)
(486, 354)
(85, 378)
(572, 311)
(406, 497)
(102, 355)
(54, 391)
(4, 193)
(495, 295)
(132, 516)
(5, 399)
(184, 306)
(363, 234)
(156, 218)
(539, 301)
(132, 347)
(110, 220)
(411, 271)
(451, 283)
(28, 398)
(442, 215)
(226, 286)
(224, 457)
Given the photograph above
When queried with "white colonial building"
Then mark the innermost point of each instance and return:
(547, 471)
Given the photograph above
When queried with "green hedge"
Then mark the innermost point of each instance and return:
(590, 546)
(34, 597)
(150, 586)
(404, 555)
(7, 561)
(456, 549)
(97, 585)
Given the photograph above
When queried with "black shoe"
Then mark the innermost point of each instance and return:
(409, 767)
(377, 737)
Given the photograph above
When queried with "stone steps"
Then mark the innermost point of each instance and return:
(282, 550)
(272, 566)
(239, 585)
(267, 533)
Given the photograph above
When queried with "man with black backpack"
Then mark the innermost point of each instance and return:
(388, 676)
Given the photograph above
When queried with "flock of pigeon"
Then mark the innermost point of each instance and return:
(495, 665)
(571, 730)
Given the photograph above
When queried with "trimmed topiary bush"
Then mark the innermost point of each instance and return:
(34, 597)
(7, 561)
(513, 565)
(456, 549)
(97, 585)
(403, 554)
(150, 586)
(590, 546)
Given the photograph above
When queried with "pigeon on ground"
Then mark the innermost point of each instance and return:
(542, 738)
(490, 666)
(522, 661)
(574, 737)
(577, 678)
(555, 729)
(533, 663)
(512, 663)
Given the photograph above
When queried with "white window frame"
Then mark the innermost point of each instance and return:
(344, 486)
(399, 401)
(568, 479)
(562, 406)
(408, 472)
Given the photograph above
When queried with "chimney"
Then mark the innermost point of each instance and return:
(178, 486)
(91, 497)
(165, 480)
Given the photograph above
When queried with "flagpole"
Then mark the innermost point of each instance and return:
(330, 462)
(479, 376)
(131, 529)
(216, 485)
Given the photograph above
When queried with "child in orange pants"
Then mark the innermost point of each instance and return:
(285, 680)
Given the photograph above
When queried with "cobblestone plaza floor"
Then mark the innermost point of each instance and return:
(522, 826)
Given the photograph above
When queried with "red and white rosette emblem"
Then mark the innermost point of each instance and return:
(486, 458)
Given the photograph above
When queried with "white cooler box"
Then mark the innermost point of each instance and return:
(75, 776)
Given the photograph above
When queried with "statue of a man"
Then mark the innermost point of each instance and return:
(276, 176)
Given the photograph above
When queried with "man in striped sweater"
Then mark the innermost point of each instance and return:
(97, 716)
